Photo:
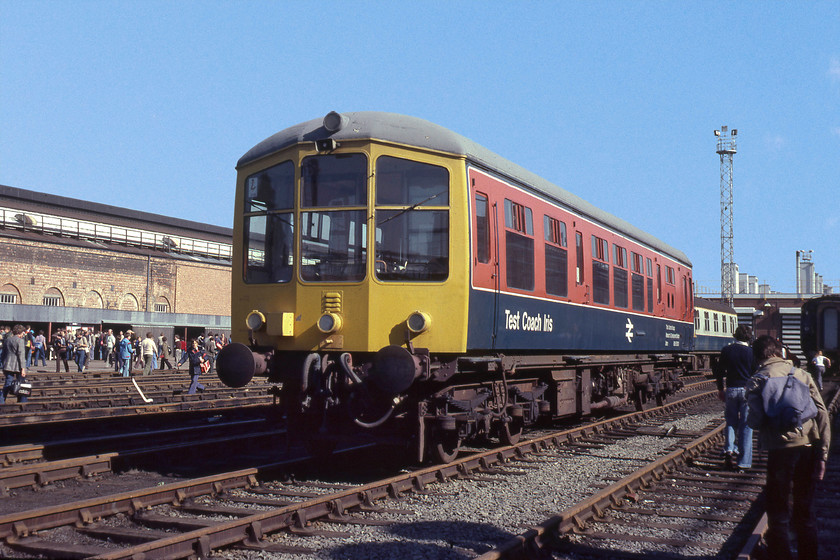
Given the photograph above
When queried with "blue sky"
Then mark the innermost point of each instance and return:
(149, 104)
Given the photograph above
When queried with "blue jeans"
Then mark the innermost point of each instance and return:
(81, 358)
(194, 384)
(818, 375)
(39, 353)
(739, 435)
(7, 385)
(125, 366)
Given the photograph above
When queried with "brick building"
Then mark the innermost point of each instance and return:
(70, 262)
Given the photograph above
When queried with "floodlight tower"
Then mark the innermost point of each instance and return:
(726, 148)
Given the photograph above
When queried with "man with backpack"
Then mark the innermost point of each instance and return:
(736, 366)
(793, 423)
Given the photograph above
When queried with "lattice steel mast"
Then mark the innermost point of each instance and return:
(726, 148)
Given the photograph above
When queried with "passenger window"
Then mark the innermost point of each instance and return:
(600, 271)
(620, 276)
(637, 281)
(482, 228)
(519, 246)
(556, 257)
(638, 290)
(659, 283)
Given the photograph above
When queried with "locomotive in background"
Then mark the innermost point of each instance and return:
(398, 279)
(820, 328)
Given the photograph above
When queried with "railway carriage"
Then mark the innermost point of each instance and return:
(397, 278)
(820, 328)
(714, 328)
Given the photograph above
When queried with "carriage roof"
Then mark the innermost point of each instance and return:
(412, 131)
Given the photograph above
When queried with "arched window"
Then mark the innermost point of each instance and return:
(93, 300)
(9, 294)
(129, 303)
(53, 298)
(162, 305)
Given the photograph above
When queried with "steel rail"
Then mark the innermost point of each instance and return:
(41, 474)
(533, 540)
(251, 529)
(16, 454)
(41, 416)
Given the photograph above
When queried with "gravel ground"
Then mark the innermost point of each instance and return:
(467, 517)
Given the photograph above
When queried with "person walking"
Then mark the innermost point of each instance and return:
(29, 339)
(3, 331)
(176, 348)
(40, 351)
(81, 348)
(210, 350)
(795, 458)
(735, 368)
(14, 362)
(110, 345)
(195, 355)
(149, 349)
(164, 354)
(138, 351)
(820, 363)
(60, 349)
(126, 351)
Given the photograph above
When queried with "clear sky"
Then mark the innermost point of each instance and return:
(148, 105)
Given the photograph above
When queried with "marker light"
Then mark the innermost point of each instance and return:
(329, 323)
(255, 320)
(418, 322)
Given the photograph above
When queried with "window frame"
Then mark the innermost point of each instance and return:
(556, 253)
(519, 246)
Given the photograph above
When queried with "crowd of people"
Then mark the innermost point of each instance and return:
(125, 351)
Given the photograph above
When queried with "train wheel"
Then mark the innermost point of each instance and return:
(445, 446)
(511, 432)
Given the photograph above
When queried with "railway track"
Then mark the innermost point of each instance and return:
(685, 505)
(250, 509)
(37, 465)
(176, 455)
(59, 397)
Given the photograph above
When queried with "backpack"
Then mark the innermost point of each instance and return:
(785, 405)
